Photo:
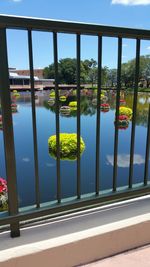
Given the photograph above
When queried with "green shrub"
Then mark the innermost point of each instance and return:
(52, 95)
(62, 98)
(68, 146)
(73, 104)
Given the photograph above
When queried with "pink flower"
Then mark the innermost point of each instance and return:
(13, 105)
(122, 100)
(3, 185)
(123, 117)
(106, 105)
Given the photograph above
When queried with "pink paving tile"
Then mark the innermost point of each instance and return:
(134, 258)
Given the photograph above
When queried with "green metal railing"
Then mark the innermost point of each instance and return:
(79, 202)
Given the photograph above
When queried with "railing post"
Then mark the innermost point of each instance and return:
(37, 187)
(97, 184)
(8, 134)
(137, 70)
(115, 169)
(55, 47)
(78, 47)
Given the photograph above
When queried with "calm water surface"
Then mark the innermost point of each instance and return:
(22, 122)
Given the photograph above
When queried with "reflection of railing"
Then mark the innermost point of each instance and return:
(79, 202)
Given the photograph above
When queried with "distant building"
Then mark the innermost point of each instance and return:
(20, 81)
(37, 72)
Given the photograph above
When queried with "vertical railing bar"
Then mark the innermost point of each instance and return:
(97, 184)
(78, 118)
(37, 189)
(137, 65)
(117, 113)
(147, 150)
(8, 134)
(57, 116)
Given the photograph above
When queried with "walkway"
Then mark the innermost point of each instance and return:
(135, 258)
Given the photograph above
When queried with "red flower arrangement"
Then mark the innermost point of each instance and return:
(3, 186)
(122, 101)
(123, 117)
(123, 122)
(1, 122)
(3, 195)
(105, 107)
(14, 107)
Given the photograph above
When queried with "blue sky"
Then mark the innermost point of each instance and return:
(127, 13)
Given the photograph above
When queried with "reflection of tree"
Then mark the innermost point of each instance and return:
(86, 106)
(142, 106)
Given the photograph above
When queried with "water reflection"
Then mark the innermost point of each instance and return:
(124, 160)
(46, 123)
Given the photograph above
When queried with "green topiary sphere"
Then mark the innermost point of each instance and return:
(126, 111)
(73, 104)
(68, 146)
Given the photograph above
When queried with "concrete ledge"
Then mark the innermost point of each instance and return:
(80, 239)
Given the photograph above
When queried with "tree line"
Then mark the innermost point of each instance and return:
(89, 72)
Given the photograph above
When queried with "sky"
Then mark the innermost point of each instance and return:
(126, 13)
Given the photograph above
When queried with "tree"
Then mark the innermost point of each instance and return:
(112, 76)
(66, 71)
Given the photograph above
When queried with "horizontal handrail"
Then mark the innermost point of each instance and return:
(66, 207)
(20, 22)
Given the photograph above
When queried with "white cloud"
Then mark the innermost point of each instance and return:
(26, 159)
(131, 2)
(148, 48)
(124, 160)
(50, 165)
(15, 1)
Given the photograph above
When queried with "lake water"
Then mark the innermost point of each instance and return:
(45, 115)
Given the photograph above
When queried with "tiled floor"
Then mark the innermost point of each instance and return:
(135, 258)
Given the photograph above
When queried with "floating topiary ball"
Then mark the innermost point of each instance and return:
(14, 107)
(123, 122)
(126, 111)
(65, 110)
(105, 107)
(52, 95)
(51, 101)
(68, 146)
(62, 98)
(73, 104)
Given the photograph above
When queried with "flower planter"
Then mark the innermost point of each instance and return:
(62, 98)
(1, 122)
(65, 110)
(3, 195)
(105, 107)
(14, 107)
(16, 94)
(123, 122)
(126, 111)
(51, 101)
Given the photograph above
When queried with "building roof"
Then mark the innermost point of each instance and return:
(14, 75)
